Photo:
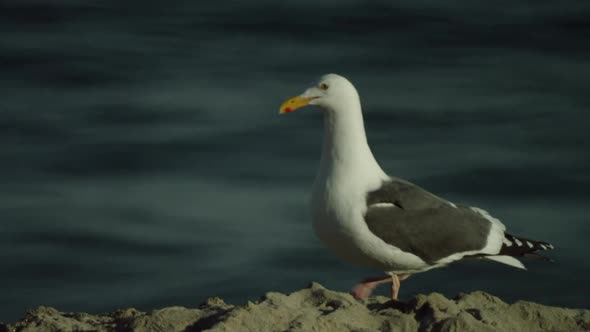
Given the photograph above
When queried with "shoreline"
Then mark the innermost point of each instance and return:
(316, 308)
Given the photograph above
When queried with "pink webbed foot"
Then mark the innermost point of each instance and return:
(364, 289)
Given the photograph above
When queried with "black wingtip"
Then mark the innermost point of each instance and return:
(519, 246)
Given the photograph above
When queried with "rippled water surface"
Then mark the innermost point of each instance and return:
(143, 163)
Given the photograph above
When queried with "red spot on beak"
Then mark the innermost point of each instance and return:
(288, 109)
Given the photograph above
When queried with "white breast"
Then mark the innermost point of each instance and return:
(338, 208)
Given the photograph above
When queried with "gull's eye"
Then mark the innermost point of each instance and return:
(324, 86)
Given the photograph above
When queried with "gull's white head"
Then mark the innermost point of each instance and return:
(331, 93)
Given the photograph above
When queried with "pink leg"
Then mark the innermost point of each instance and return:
(365, 288)
(396, 283)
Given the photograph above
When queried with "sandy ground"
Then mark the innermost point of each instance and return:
(319, 309)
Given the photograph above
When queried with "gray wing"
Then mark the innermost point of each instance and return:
(421, 223)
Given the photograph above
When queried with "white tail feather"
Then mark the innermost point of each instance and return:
(508, 260)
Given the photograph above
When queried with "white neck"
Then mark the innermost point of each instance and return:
(346, 154)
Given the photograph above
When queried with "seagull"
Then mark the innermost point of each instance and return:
(370, 218)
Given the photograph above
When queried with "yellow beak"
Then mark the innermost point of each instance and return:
(294, 103)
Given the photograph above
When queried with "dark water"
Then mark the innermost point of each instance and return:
(143, 163)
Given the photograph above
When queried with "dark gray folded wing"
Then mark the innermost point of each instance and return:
(421, 223)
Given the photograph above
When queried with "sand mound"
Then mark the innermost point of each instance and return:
(319, 309)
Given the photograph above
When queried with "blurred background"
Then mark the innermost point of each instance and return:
(143, 162)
